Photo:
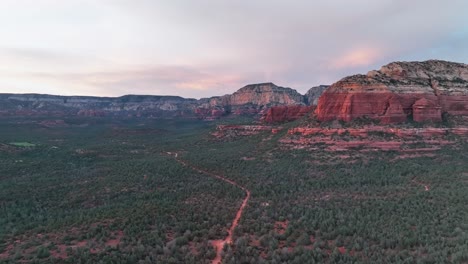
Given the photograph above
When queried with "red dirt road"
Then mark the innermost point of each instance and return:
(219, 244)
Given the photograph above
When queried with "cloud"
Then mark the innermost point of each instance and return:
(164, 80)
(211, 47)
(356, 58)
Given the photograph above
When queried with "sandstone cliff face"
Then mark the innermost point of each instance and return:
(393, 93)
(425, 110)
(265, 94)
(250, 100)
(314, 93)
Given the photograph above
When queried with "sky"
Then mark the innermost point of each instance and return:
(205, 48)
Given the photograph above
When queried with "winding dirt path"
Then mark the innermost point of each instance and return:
(219, 244)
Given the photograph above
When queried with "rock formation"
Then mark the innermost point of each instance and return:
(374, 138)
(314, 93)
(399, 91)
(265, 94)
(250, 100)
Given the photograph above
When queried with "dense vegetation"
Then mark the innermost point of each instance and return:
(97, 190)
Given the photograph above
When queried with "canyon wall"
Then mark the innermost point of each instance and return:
(287, 113)
(399, 91)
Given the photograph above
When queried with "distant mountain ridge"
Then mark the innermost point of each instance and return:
(249, 100)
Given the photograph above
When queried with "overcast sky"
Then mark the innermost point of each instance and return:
(212, 47)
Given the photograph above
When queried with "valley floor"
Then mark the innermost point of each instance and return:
(92, 190)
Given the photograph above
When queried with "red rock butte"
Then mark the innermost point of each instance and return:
(399, 91)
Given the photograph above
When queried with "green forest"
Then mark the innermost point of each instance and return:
(108, 190)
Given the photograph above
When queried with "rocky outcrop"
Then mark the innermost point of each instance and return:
(265, 94)
(250, 100)
(394, 93)
(314, 93)
(281, 114)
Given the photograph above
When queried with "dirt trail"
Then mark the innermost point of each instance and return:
(219, 244)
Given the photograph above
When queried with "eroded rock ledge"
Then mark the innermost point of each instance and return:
(373, 138)
(365, 132)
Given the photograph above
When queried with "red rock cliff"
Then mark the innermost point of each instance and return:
(251, 99)
(399, 90)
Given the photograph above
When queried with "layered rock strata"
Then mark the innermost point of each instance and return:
(250, 100)
(398, 92)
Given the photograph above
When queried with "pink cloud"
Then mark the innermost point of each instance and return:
(186, 81)
(355, 58)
